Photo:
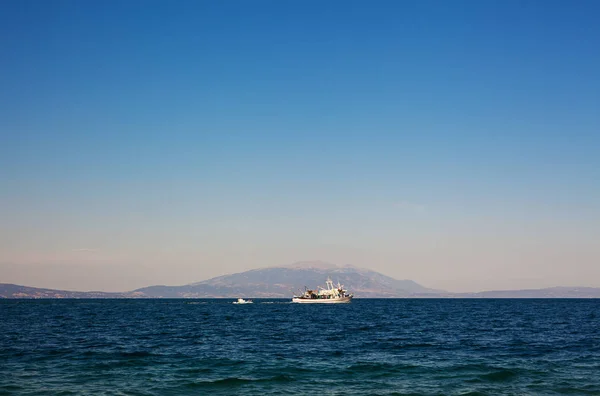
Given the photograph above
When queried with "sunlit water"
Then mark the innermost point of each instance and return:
(375, 347)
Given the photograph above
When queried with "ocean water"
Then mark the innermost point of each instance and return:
(368, 347)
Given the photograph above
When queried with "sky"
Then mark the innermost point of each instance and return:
(454, 143)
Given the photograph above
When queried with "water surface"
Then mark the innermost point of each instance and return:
(371, 346)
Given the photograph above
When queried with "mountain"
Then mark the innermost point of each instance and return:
(283, 282)
(272, 282)
(8, 290)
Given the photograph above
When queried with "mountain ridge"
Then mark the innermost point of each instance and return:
(284, 281)
(14, 291)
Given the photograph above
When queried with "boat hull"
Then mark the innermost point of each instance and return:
(341, 300)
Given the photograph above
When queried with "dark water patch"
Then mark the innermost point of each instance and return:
(10, 388)
(219, 362)
(197, 370)
(137, 354)
(225, 382)
(379, 368)
(499, 376)
(409, 345)
(235, 382)
(578, 391)
(407, 394)
(367, 328)
(53, 352)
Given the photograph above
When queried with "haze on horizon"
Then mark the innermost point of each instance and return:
(452, 143)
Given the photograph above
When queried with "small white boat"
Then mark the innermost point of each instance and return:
(329, 295)
(242, 301)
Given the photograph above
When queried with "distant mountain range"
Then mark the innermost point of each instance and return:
(8, 290)
(283, 282)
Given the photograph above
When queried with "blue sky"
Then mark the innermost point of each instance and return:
(454, 143)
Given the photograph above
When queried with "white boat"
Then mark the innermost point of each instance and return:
(242, 301)
(328, 295)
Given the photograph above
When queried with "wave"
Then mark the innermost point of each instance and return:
(499, 376)
(236, 381)
(136, 354)
(368, 367)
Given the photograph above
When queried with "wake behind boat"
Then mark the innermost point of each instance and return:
(242, 301)
(329, 295)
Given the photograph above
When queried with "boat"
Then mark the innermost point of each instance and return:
(242, 301)
(329, 295)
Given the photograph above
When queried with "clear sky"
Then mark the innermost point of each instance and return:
(455, 143)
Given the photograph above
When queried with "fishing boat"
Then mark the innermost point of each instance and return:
(242, 301)
(328, 295)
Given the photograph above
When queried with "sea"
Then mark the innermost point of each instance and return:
(273, 347)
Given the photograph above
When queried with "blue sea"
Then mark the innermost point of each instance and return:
(368, 347)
